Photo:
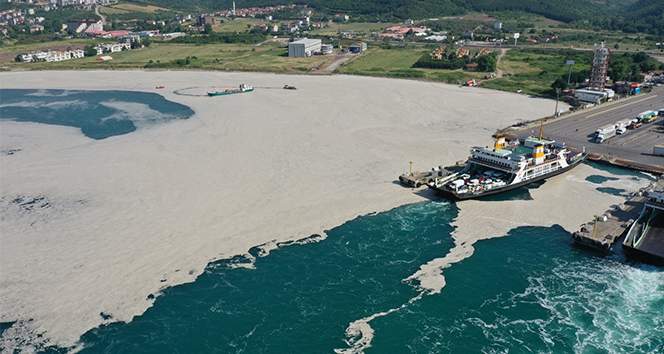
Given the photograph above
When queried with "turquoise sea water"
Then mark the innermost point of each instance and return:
(531, 292)
(99, 114)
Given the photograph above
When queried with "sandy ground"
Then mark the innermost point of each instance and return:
(132, 214)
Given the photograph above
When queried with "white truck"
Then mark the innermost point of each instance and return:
(604, 133)
(621, 126)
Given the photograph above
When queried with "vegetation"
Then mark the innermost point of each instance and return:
(450, 60)
(223, 37)
(637, 15)
(398, 63)
(269, 57)
(629, 66)
(533, 71)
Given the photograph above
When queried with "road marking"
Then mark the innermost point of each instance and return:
(621, 106)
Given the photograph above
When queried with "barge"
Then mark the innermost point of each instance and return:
(242, 89)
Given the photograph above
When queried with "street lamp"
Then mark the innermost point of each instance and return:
(569, 73)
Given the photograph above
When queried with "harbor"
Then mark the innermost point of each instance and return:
(635, 149)
(639, 219)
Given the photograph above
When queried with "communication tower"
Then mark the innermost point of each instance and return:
(600, 67)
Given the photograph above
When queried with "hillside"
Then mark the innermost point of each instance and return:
(628, 15)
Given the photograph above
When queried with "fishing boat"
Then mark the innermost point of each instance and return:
(242, 89)
(506, 166)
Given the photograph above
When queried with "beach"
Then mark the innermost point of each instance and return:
(134, 214)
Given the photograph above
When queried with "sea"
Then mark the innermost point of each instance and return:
(99, 114)
(531, 291)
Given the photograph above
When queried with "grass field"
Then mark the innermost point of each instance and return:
(235, 25)
(128, 7)
(534, 72)
(398, 63)
(270, 57)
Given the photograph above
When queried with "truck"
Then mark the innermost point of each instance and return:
(604, 133)
(647, 116)
(621, 126)
(658, 150)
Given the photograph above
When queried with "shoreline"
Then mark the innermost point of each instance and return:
(306, 154)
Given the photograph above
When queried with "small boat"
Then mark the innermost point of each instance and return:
(242, 89)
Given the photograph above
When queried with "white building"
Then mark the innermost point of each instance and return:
(590, 96)
(304, 47)
(326, 49)
(112, 47)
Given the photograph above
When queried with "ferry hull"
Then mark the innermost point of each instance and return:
(451, 195)
(643, 257)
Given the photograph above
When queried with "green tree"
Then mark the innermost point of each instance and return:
(89, 51)
(207, 29)
(487, 63)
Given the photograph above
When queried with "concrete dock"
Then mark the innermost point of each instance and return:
(631, 150)
(600, 234)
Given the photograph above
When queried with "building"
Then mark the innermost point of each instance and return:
(112, 48)
(600, 67)
(52, 56)
(36, 28)
(326, 49)
(172, 35)
(206, 20)
(357, 48)
(304, 47)
(590, 96)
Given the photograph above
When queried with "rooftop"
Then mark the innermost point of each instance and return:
(307, 41)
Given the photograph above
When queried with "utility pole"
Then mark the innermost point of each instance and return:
(557, 98)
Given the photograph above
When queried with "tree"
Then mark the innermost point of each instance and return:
(560, 83)
(89, 51)
(487, 63)
(207, 29)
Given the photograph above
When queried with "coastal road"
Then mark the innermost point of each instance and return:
(635, 145)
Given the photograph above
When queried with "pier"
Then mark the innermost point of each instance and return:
(416, 179)
(602, 232)
(634, 149)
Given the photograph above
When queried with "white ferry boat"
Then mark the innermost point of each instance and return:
(506, 166)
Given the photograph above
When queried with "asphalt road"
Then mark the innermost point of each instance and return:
(636, 145)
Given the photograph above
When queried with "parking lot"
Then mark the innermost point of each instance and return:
(578, 130)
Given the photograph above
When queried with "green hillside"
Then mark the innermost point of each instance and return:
(627, 15)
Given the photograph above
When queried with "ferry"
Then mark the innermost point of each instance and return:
(242, 89)
(506, 166)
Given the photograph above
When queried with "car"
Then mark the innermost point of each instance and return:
(661, 112)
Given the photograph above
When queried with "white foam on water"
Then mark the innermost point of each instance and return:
(359, 333)
(52, 105)
(51, 93)
(611, 307)
(139, 113)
